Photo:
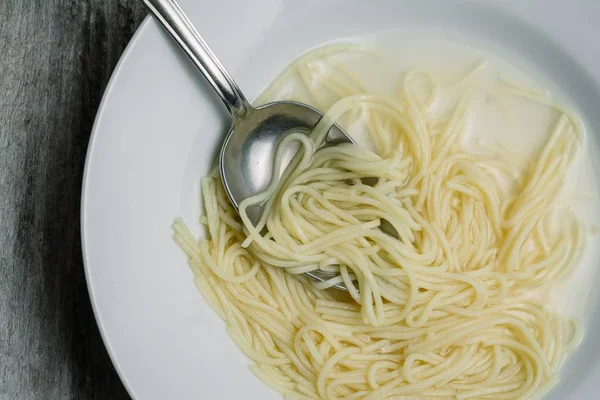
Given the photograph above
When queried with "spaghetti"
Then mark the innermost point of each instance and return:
(442, 306)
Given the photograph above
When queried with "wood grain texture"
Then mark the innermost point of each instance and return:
(56, 57)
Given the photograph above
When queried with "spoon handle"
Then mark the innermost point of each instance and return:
(178, 25)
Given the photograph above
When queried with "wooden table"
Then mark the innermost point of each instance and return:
(56, 57)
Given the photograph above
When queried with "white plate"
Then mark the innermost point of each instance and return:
(159, 127)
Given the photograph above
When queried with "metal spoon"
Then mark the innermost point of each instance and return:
(246, 158)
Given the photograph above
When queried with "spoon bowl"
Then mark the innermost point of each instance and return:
(247, 156)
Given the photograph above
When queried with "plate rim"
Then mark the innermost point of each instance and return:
(83, 209)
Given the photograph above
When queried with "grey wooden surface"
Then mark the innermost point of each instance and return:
(56, 57)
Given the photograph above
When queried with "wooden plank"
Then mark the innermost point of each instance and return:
(56, 57)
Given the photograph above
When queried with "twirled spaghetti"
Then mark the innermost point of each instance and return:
(440, 300)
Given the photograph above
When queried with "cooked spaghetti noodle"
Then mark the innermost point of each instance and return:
(446, 267)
